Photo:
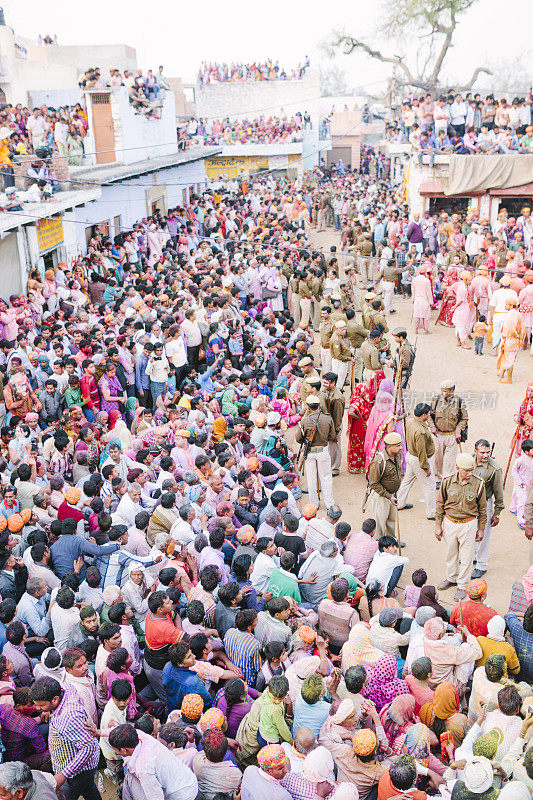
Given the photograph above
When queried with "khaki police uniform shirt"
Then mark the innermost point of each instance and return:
(315, 285)
(337, 315)
(327, 327)
(305, 290)
(372, 318)
(364, 248)
(387, 273)
(304, 388)
(385, 474)
(335, 405)
(462, 501)
(370, 355)
(407, 357)
(449, 415)
(325, 429)
(340, 348)
(307, 411)
(491, 475)
(419, 441)
(356, 333)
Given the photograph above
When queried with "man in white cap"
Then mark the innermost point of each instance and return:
(384, 479)
(318, 430)
(497, 309)
(449, 425)
(461, 517)
(341, 354)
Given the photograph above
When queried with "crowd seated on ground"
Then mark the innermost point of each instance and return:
(464, 125)
(237, 73)
(175, 612)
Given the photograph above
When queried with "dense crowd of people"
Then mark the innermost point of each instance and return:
(176, 615)
(464, 125)
(213, 72)
(262, 130)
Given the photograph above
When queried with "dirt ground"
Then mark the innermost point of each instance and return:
(491, 407)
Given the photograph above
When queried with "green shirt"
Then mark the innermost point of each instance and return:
(73, 397)
(283, 584)
(272, 725)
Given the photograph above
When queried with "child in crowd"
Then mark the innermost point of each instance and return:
(480, 331)
(522, 473)
(114, 714)
(275, 657)
(411, 593)
(387, 566)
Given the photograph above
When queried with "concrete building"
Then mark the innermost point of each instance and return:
(348, 132)
(251, 99)
(133, 168)
(458, 183)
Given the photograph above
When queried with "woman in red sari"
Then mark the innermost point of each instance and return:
(525, 416)
(358, 413)
(449, 298)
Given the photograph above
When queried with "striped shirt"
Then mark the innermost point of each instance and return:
(199, 593)
(72, 748)
(243, 650)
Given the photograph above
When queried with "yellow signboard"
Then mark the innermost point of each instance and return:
(234, 166)
(49, 233)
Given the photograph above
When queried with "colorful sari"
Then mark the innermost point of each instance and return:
(448, 298)
(382, 420)
(464, 316)
(361, 402)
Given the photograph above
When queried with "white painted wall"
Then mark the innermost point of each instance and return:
(256, 98)
(128, 198)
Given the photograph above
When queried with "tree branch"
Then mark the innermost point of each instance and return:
(475, 76)
(352, 44)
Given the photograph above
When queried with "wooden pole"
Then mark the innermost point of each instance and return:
(398, 532)
(513, 445)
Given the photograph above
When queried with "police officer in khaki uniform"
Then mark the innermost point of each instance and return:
(461, 520)
(306, 295)
(407, 352)
(341, 354)
(315, 284)
(357, 334)
(419, 457)
(307, 368)
(335, 405)
(384, 479)
(314, 385)
(318, 462)
(490, 472)
(370, 354)
(294, 306)
(337, 312)
(364, 258)
(327, 327)
(372, 316)
(449, 418)
(387, 275)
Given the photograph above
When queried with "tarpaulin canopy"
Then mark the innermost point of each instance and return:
(479, 173)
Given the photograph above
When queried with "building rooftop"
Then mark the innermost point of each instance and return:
(63, 201)
(109, 173)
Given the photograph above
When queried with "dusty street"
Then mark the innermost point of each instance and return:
(491, 407)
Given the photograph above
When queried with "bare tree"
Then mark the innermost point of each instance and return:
(432, 22)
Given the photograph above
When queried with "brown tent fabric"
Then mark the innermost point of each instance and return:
(481, 172)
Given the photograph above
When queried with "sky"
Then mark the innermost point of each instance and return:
(181, 34)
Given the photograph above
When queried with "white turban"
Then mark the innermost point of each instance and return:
(478, 775)
(317, 765)
(496, 627)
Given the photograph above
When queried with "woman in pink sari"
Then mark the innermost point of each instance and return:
(464, 314)
(382, 420)
(286, 408)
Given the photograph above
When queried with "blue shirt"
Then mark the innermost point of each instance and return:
(311, 716)
(32, 612)
(68, 548)
(178, 682)
(523, 644)
(142, 381)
